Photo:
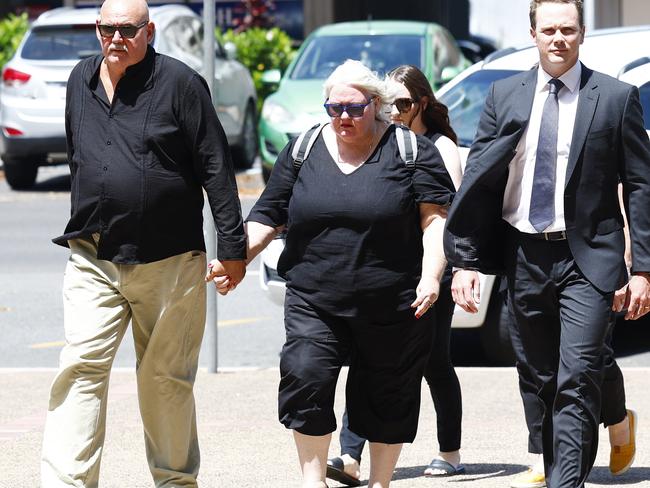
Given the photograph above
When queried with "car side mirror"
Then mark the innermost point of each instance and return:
(448, 73)
(230, 50)
(271, 77)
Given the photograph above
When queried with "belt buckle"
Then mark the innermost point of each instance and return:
(561, 233)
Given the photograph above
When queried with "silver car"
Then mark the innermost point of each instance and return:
(32, 92)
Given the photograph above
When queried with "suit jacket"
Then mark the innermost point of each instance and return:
(609, 144)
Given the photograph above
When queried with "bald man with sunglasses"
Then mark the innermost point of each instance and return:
(144, 142)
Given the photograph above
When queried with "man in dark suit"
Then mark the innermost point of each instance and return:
(539, 203)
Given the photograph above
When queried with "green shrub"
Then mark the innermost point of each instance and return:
(12, 30)
(260, 50)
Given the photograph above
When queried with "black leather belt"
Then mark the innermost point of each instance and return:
(559, 235)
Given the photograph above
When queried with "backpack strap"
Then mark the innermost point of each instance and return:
(303, 145)
(407, 145)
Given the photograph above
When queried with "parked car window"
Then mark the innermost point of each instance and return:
(194, 39)
(644, 91)
(379, 53)
(451, 51)
(219, 51)
(58, 43)
(184, 41)
(466, 101)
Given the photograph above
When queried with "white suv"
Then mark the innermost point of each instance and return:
(610, 51)
(32, 91)
(638, 74)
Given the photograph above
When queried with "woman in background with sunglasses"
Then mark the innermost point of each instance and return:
(363, 260)
(416, 107)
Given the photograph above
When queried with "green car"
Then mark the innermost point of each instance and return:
(381, 45)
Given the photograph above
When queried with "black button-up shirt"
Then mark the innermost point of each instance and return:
(139, 164)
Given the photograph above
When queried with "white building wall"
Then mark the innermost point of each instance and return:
(636, 12)
(505, 21)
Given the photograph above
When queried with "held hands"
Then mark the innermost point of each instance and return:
(226, 275)
(466, 290)
(427, 292)
(634, 297)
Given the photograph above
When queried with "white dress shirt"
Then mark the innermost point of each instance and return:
(516, 202)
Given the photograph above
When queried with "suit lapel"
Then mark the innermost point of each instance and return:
(523, 99)
(516, 113)
(587, 101)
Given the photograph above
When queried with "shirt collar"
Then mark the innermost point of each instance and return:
(142, 71)
(571, 78)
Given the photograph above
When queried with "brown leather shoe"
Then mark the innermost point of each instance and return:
(622, 457)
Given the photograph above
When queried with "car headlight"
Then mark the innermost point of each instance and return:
(275, 113)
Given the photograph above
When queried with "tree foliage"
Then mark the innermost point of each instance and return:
(261, 50)
(12, 30)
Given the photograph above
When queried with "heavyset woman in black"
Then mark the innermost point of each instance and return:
(416, 107)
(363, 262)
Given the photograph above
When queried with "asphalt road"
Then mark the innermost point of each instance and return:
(250, 328)
(250, 331)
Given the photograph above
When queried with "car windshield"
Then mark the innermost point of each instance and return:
(465, 102)
(644, 91)
(60, 43)
(380, 53)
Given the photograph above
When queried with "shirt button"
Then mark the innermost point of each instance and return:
(105, 168)
(108, 143)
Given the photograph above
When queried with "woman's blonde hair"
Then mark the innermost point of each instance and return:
(355, 73)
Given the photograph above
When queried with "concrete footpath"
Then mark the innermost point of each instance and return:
(243, 445)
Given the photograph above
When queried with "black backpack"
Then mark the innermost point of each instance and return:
(406, 143)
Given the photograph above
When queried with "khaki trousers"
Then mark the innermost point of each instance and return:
(165, 303)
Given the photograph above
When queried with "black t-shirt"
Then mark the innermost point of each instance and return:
(354, 241)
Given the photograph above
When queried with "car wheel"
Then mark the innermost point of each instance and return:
(20, 173)
(266, 173)
(495, 332)
(245, 152)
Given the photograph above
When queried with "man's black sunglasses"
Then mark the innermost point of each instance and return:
(403, 105)
(353, 109)
(127, 31)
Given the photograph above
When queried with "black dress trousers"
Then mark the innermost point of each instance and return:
(613, 409)
(563, 322)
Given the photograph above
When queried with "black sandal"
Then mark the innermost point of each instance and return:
(335, 471)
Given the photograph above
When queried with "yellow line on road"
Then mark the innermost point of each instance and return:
(221, 323)
(250, 320)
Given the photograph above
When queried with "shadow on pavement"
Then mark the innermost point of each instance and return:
(55, 183)
(473, 472)
(600, 475)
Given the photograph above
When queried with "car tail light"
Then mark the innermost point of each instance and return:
(13, 77)
(10, 131)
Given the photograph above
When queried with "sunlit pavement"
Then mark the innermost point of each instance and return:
(243, 445)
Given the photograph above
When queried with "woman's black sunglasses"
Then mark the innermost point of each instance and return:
(403, 105)
(354, 110)
(127, 31)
